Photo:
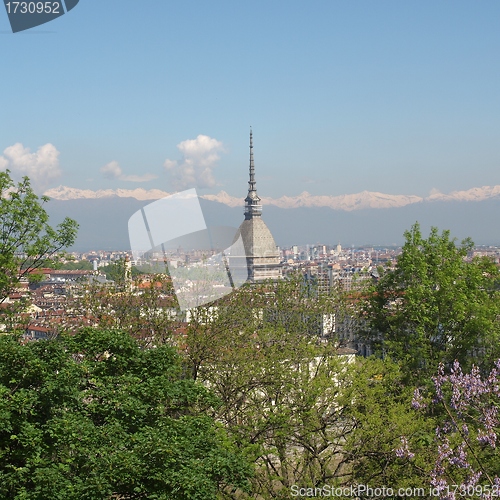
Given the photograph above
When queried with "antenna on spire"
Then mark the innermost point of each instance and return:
(251, 183)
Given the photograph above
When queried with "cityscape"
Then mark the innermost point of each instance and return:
(329, 269)
(249, 251)
(328, 308)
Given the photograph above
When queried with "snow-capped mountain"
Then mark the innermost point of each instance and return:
(68, 193)
(346, 202)
(473, 194)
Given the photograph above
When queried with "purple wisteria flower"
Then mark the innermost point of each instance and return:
(470, 401)
(417, 402)
(404, 450)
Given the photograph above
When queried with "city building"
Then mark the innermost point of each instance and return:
(262, 255)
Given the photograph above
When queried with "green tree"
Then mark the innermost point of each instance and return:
(304, 413)
(83, 265)
(435, 305)
(281, 385)
(380, 411)
(95, 417)
(26, 238)
(466, 440)
(116, 271)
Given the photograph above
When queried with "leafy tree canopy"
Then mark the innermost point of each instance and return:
(381, 412)
(436, 304)
(26, 238)
(95, 417)
(116, 271)
(83, 265)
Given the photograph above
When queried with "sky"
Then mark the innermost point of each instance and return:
(343, 96)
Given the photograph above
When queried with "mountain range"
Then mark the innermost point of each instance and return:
(347, 202)
(365, 218)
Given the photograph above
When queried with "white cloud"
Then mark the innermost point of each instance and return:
(41, 167)
(200, 156)
(112, 170)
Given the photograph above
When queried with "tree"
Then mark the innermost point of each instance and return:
(83, 265)
(94, 416)
(302, 413)
(26, 238)
(381, 413)
(116, 271)
(465, 457)
(436, 305)
(282, 387)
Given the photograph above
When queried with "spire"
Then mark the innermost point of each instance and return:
(253, 208)
(251, 182)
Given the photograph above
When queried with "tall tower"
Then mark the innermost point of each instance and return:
(262, 256)
(253, 208)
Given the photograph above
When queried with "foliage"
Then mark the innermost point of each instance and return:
(26, 238)
(83, 265)
(64, 260)
(302, 413)
(466, 463)
(435, 305)
(95, 417)
(116, 271)
(280, 384)
(380, 407)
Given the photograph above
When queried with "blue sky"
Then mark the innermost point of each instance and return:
(343, 96)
